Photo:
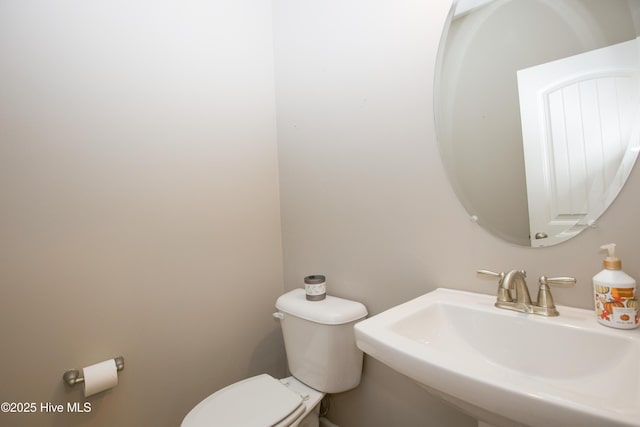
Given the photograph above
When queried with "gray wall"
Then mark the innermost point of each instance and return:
(139, 210)
(365, 199)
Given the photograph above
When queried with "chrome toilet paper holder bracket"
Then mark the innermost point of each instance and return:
(72, 376)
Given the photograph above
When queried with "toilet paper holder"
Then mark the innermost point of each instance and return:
(72, 376)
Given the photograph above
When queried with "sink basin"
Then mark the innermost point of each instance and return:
(508, 368)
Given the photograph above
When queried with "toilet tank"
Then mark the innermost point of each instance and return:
(320, 341)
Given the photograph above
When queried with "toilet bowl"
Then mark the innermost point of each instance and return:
(322, 357)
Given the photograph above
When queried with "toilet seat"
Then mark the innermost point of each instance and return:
(254, 402)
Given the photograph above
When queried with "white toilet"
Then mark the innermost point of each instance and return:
(323, 358)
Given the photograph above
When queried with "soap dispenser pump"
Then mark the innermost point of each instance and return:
(615, 293)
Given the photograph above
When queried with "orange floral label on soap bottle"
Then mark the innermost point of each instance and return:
(617, 307)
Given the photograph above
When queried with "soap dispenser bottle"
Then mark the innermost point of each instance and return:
(615, 294)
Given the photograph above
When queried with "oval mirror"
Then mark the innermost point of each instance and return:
(537, 112)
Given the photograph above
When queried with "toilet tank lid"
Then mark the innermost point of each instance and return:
(329, 311)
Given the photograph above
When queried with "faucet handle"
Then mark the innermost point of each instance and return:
(561, 282)
(504, 295)
(491, 274)
(545, 300)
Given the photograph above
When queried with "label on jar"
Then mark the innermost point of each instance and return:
(616, 307)
(315, 289)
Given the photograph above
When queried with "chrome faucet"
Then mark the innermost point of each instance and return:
(515, 280)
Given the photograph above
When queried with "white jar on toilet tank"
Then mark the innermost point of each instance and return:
(616, 302)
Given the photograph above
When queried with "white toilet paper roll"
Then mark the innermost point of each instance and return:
(100, 377)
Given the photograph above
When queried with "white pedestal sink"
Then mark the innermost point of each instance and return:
(509, 368)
